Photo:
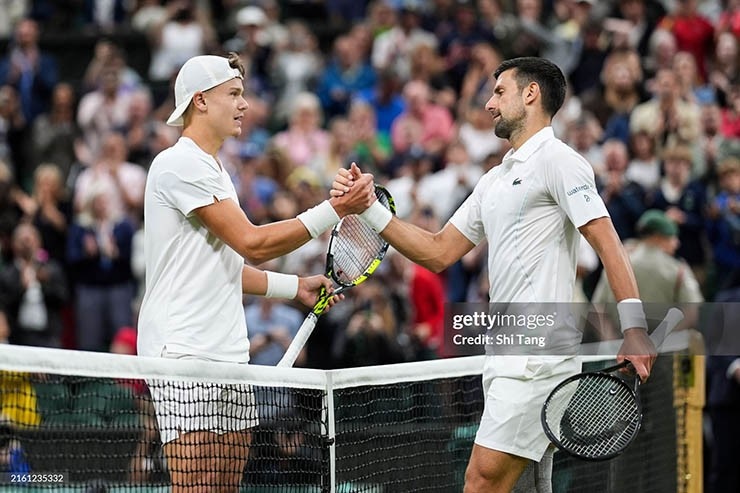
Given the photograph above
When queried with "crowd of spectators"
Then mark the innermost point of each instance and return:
(400, 88)
(653, 104)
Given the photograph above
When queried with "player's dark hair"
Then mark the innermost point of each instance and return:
(546, 74)
(236, 62)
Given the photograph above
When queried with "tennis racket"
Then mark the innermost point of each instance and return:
(597, 415)
(355, 251)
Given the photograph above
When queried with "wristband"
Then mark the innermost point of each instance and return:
(319, 218)
(377, 216)
(281, 285)
(631, 314)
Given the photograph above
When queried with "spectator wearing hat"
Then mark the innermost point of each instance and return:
(251, 41)
(723, 224)
(661, 277)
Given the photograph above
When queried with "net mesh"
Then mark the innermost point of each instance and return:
(91, 420)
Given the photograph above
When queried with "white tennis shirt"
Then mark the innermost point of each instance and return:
(193, 299)
(529, 208)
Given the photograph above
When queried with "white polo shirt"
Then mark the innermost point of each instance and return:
(193, 299)
(529, 207)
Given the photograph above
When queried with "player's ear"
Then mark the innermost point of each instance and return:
(531, 92)
(199, 100)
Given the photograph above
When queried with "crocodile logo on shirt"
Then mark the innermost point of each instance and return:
(517, 181)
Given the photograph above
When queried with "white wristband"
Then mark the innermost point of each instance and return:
(319, 218)
(631, 314)
(281, 285)
(376, 216)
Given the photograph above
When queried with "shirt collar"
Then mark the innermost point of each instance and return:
(532, 144)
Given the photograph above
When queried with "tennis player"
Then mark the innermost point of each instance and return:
(196, 241)
(530, 208)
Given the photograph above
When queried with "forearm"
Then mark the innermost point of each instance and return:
(270, 241)
(604, 240)
(254, 281)
(430, 250)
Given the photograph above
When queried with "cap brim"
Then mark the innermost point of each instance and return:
(175, 118)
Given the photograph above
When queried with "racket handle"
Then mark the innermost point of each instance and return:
(298, 341)
(671, 320)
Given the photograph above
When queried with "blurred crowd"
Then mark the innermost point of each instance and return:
(653, 104)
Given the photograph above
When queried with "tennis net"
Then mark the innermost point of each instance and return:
(76, 421)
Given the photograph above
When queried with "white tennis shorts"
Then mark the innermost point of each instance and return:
(515, 388)
(183, 407)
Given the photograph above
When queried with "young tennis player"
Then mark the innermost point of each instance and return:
(197, 239)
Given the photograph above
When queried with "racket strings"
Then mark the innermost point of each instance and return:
(354, 248)
(593, 416)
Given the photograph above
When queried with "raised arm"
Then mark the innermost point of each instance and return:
(637, 346)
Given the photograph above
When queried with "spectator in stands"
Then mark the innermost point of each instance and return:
(644, 165)
(49, 209)
(476, 84)
(10, 213)
(272, 326)
(731, 113)
(408, 171)
(712, 144)
(624, 199)
(666, 116)
(683, 201)
(123, 182)
(294, 68)
(99, 255)
(32, 72)
(33, 291)
(423, 123)
(429, 67)
(693, 32)
(724, 65)
(386, 100)
(661, 50)
(584, 134)
(347, 74)
(370, 146)
(691, 88)
(304, 141)
(392, 48)
(371, 333)
(723, 224)
(632, 22)
(55, 133)
(443, 191)
(101, 111)
(140, 128)
(184, 32)
(661, 277)
(618, 94)
(13, 136)
(4, 328)
(252, 44)
(456, 46)
(108, 56)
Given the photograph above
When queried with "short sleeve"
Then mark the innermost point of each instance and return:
(189, 194)
(468, 219)
(571, 183)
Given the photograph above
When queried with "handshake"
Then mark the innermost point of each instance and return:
(353, 192)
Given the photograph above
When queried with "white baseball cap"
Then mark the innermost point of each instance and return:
(200, 73)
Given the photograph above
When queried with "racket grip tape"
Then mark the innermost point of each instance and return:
(304, 332)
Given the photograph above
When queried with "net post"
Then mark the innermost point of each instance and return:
(330, 435)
